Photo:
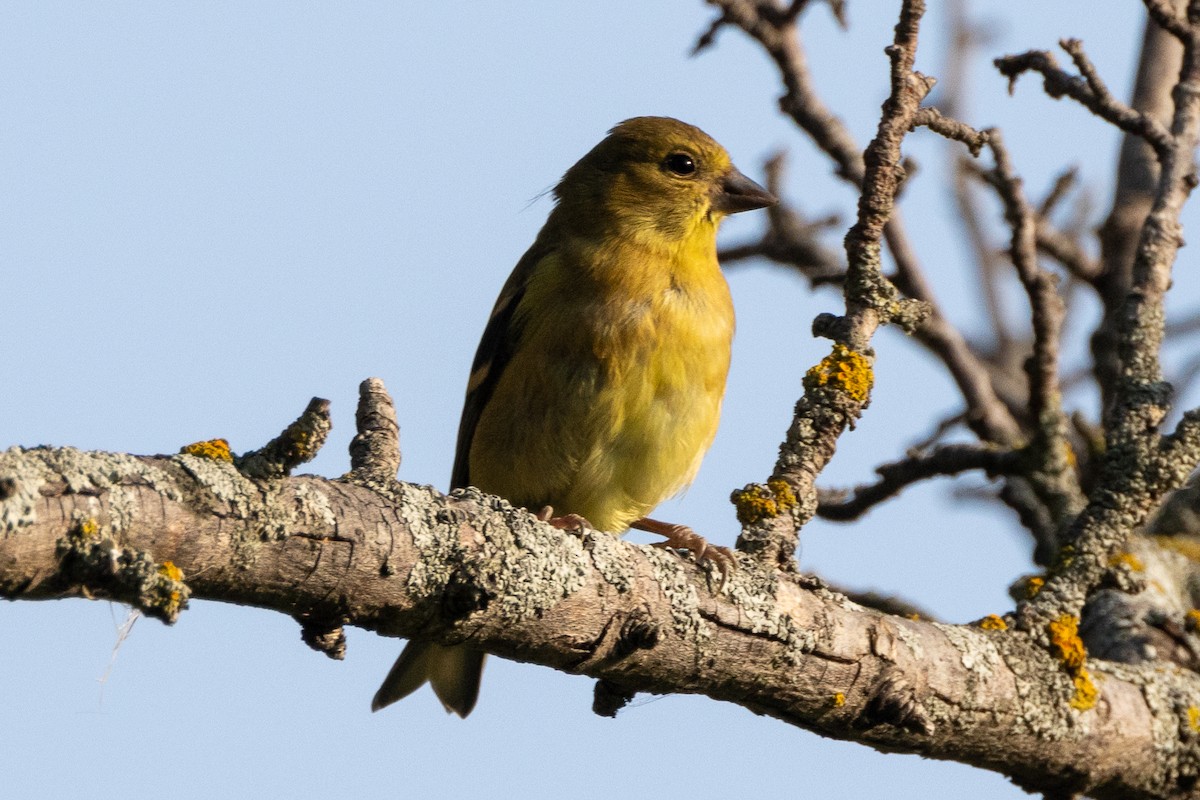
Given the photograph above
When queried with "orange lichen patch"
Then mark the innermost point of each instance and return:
(1034, 585)
(1192, 618)
(1194, 718)
(1128, 559)
(756, 502)
(1186, 546)
(1067, 647)
(216, 449)
(1065, 643)
(86, 528)
(1086, 692)
(842, 369)
(1072, 459)
(168, 570)
(993, 622)
(839, 699)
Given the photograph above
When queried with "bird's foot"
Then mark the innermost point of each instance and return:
(684, 538)
(567, 522)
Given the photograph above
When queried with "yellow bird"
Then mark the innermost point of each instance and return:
(597, 386)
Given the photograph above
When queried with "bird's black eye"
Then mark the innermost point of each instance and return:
(680, 163)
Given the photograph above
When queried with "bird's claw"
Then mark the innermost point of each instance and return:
(682, 537)
(567, 522)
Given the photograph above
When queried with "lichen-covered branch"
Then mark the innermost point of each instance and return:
(1137, 174)
(1138, 467)
(768, 23)
(838, 388)
(407, 561)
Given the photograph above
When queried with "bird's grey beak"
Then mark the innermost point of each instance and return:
(736, 192)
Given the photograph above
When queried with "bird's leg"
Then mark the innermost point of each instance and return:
(567, 522)
(684, 538)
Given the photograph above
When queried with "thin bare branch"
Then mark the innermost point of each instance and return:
(791, 238)
(952, 459)
(1067, 251)
(1090, 92)
(837, 389)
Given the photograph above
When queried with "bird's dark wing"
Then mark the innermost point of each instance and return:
(499, 341)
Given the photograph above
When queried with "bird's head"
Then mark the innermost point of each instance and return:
(660, 175)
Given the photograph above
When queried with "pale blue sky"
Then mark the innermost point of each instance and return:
(213, 211)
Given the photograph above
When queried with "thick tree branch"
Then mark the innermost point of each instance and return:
(409, 561)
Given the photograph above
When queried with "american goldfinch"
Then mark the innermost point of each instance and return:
(597, 386)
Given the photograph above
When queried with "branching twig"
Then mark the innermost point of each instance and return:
(1088, 90)
(1138, 467)
(762, 21)
(837, 389)
(951, 459)
(790, 238)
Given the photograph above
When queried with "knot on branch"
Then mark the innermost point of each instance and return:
(296, 444)
(894, 702)
(463, 597)
(95, 564)
(638, 632)
(609, 698)
(324, 636)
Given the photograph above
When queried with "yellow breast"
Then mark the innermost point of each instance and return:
(613, 395)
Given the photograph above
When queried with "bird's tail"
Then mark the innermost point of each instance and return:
(453, 672)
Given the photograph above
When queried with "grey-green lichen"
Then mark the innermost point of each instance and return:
(313, 507)
(675, 585)
(755, 592)
(612, 559)
(529, 566)
(19, 507)
(220, 478)
(1045, 692)
(524, 567)
(259, 504)
(115, 475)
(1175, 742)
(978, 654)
(436, 541)
(93, 559)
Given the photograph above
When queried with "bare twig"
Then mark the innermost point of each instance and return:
(761, 20)
(951, 459)
(1088, 90)
(1066, 250)
(1051, 474)
(1137, 178)
(790, 238)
